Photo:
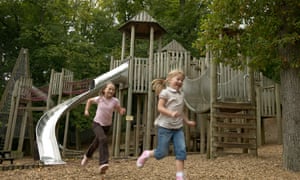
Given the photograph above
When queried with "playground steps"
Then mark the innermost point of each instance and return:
(234, 128)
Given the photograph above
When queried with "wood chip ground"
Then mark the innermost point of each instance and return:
(267, 166)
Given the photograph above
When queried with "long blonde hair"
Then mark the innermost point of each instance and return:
(159, 84)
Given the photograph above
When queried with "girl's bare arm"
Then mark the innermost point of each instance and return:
(87, 106)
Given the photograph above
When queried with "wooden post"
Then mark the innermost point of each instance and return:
(26, 85)
(278, 113)
(118, 125)
(61, 86)
(202, 119)
(258, 115)
(187, 131)
(138, 125)
(123, 46)
(50, 89)
(66, 131)
(13, 116)
(23, 127)
(31, 132)
(130, 84)
(159, 45)
(252, 98)
(114, 126)
(150, 93)
(213, 100)
(144, 121)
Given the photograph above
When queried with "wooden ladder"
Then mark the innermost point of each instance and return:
(233, 128)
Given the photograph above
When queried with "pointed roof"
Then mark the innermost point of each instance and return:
(173, 46)
(142, 22)
(21, 69)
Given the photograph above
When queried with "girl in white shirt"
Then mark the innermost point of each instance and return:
(170, 121)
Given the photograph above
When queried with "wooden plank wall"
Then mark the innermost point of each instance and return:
(141, 74)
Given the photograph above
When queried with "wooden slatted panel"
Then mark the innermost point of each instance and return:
(54, 83)
(163, 64)
(232, 83)
(140, 77)
(234, 127)
(25, 90)
(68, 77)
(268, 101)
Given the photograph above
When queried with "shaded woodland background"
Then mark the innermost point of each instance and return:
(82, 35)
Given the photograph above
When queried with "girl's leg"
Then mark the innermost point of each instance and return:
(163, 138)
(91, 149)
(180, 152)
(101, 132)
(179, 167)
(93, 146)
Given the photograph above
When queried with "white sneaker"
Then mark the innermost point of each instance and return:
(84, 160)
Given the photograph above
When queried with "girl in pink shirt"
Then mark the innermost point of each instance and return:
(106, 105)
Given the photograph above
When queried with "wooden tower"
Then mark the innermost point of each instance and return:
(141, 26)
(21, 69)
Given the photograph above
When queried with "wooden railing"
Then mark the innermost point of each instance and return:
(232, 83)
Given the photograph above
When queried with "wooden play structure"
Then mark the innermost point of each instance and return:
(21, 98)
(20, 71)
(229, 105)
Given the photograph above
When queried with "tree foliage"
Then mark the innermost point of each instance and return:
(81, 35)
(69, 34)
(179, 18)
(268, 33)
(253, 28)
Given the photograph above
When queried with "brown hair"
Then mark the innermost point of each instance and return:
(159, 84)
(101, 92)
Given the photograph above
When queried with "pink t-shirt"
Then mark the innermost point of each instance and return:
(105, 109)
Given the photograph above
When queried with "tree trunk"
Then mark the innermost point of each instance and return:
(290, 90)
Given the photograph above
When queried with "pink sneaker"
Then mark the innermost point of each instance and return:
(84, 160)
(180, 178)
(142, 159)
(103, 168)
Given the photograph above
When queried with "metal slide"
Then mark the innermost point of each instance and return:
(45, 130)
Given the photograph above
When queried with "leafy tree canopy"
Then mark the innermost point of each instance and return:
(268, 33)
(81, 35)
(251, 28)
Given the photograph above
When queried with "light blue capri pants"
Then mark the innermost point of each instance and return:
(164, 137)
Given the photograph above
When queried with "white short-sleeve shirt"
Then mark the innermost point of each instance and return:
(174, 102)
